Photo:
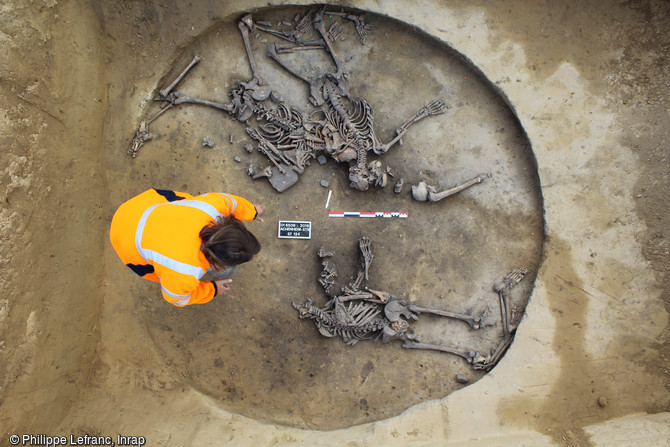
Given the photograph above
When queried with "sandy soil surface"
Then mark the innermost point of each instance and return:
(86, 347)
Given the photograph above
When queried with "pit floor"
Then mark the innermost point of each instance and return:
(578, 194)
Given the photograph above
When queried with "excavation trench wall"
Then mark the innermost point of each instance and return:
(53, 207)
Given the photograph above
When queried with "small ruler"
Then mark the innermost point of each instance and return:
(368, 214)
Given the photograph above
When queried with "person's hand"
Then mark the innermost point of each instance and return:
(259, 211)
(222, 286)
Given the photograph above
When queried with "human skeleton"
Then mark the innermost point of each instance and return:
(342, 128)
(356, 315)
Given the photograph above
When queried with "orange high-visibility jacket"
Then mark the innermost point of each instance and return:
(157, 235)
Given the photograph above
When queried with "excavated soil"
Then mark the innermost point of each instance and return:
(577, 193)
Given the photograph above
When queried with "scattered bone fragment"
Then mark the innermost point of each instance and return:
(366, 252)
(141, 136)
(602, 401)
(435, 107)
(335, 31)
(231, 139)
(328, 271)
(237, 159)
(434, 196)
(177, 98)
(475, 322)
(503, 288)
(267, 172)
(398, 186)
(166, 91)
(384, 297)
(249, 147)
(510, 319)
(401, 308)
(422, 192)
(467, 354)
(359, 21)
(245, 25)
(207, 142)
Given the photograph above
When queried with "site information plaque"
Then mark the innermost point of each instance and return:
(294, 229)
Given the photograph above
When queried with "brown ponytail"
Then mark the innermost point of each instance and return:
(228, 242)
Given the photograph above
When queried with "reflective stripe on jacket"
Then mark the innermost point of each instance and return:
(157, 235)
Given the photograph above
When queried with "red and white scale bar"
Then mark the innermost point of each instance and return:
(368, 214)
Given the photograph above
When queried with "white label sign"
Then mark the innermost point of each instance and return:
(294, 229)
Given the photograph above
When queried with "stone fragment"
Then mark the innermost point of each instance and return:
(461, 378)
(321, 159)
(325, 183)
(281, 182)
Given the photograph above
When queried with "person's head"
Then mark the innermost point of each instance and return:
(228, 242)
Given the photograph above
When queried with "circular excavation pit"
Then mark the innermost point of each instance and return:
(250, 351)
